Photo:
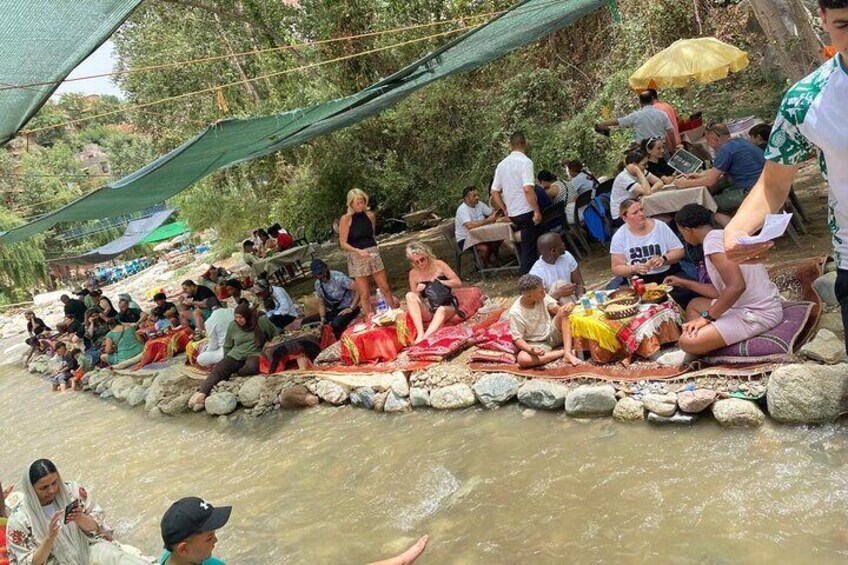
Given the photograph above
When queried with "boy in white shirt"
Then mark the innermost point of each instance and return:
(558, 270)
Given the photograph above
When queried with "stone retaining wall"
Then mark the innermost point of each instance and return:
(796, 394)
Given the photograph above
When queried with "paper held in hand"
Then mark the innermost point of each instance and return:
(774, 227)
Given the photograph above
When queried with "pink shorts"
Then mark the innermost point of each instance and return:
(739, 324)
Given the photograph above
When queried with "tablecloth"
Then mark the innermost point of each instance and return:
(641, 335)
(671, 200)
(287, 257)
(163, 348)
(377, 344)
(499, 231)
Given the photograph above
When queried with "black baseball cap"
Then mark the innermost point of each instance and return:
(318, 266)
(189, 516)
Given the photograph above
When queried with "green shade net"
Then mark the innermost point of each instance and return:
(166, 232)
(42, 41)
(232, 141)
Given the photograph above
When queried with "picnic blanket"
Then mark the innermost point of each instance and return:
(163, 348)
(441, 345)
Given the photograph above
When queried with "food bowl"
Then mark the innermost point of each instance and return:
(655, 296)
(625, 296)
(620, 308)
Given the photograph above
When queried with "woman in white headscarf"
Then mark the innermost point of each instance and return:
(39, 533)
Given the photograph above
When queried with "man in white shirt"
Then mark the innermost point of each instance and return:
(647, 122)
(513, 191)
(812, 116)
(216, 331)
(472, 214)
(558, 270)
(284, 311)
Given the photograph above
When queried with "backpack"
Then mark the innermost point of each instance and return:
(595, 217)
(437, 294)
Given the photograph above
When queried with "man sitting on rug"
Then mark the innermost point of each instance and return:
(740, 303)
(558, 270)
(165, 307)
(338, 297)
(198, 304)
(284, 311)
(538, 325)
(126, 313)
(216, 332)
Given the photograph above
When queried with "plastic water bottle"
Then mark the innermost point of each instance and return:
(381, 302)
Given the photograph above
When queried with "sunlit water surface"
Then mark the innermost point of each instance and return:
(342, 485)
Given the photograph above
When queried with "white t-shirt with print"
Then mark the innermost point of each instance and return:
(623, 187)
(465, 214)
(559, 271)
(583, 183)
(814, 115)
(511, 176)
(639, 249)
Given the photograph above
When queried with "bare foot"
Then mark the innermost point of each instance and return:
(407, 556)
(573, 359)
(197, 402)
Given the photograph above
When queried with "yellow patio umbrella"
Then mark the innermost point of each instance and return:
(702, 60)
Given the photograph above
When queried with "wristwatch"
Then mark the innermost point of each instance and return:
(706, 315)
(664, 258)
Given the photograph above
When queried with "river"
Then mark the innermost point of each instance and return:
(342, 485)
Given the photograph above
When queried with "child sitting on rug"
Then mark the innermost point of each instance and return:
(558, 270)
(539, 325)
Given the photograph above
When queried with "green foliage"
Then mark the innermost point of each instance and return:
(21, 265)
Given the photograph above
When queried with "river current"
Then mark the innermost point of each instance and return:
(342, 485)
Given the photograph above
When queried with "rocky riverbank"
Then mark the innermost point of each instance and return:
(808, 393)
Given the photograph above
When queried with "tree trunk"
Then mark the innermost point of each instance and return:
(794, 42)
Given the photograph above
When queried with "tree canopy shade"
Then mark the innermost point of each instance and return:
(135, 233)
(43, 41)
(235, 140)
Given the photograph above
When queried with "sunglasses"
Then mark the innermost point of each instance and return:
(420, 261)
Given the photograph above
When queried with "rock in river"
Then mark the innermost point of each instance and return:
(331, 392)
(542, 395)
(827, 347)
(396, 403)
(121, 386)
(808, 393)
(735, 412)
(363, 397)
(629, 410)
(221, 403)
(137, 395)
(251, 390)
(495, 389)
(695, 401)
(451, 397)
(678, 418)
(589, 401)
(661, 404)
(419, 397)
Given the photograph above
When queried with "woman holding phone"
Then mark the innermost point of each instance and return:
(58, 523)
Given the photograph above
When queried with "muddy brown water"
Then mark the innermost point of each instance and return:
(342, 485)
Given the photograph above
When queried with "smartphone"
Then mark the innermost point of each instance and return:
(71, 508)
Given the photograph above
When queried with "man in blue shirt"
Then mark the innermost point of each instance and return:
(337, 297)
(188, 532)
(738, 159)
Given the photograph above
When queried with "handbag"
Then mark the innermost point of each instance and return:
(436, 294)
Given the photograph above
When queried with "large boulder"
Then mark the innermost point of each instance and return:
(495, 389)
(451, 397)
(808, 393)
(629, 409)
(121, 387)
(168, 384)
(590, 401)
(825, 286)
(396, 403)
(363, 397)
(542, 395)
(419, 397)
(827, 347)
(250, 391)
(175, 405)
(332, 392)
(297, 396)
(137, 395)
(380, 382)
(736, 413)
(221, 403)
(661, 404)
(695, 401)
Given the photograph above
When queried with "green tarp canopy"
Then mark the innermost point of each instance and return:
(42, 41)
(166, 232)
(235, 140)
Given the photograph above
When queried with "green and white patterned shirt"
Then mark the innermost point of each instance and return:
(814, 116)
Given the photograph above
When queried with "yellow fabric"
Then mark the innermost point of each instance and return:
(595, 327)
(703, 60)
